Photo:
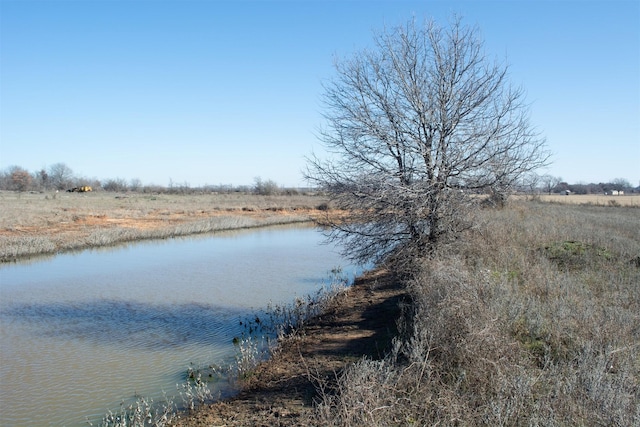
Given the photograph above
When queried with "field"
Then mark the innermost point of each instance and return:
(46, 223)
(593, 199)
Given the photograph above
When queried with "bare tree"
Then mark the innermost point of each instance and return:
(20, 178)
(531, 184)
(410, 125)
(265, 188)
(550, 182)
(60, 176)
(621, 184)
(42, 177)
(135, 184)
(115, 184)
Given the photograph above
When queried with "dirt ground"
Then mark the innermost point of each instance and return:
(44, 224)
(281, 392)
(79, 215)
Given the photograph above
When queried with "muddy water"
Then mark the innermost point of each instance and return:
(81, 332)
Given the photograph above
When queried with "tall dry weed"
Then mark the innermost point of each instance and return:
(532, 320)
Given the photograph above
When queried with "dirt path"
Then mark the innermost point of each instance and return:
(281, 392)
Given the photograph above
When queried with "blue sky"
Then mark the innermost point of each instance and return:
(222, 92)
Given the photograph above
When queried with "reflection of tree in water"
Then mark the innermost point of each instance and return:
(134, 324)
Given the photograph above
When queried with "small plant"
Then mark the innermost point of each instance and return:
(249, 354)
(574, 254)
(141, 413)
(194, 391)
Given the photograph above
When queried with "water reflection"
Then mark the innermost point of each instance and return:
(81, 331)
(132, 324)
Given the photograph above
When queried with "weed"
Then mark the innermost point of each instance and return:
(502, 333)
(576, 255)
(194, 391)
(142, 412)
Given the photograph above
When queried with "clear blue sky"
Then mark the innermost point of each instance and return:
(221, 92)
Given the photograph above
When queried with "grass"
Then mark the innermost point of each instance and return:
(38, 224)
(593, 199)
(531, 320)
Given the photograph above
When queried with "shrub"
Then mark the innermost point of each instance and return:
(530, 320)
(265, 188)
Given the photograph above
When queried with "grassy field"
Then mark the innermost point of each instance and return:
(532, 319)
(45, 223)
(593, 199)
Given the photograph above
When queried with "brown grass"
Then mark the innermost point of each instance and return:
(532, 320)
(593, 199)
(34, 224)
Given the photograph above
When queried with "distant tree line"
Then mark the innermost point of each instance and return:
(60, 177)
(618, 184)
(548, 184)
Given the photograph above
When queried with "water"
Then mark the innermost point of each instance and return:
(81, 332)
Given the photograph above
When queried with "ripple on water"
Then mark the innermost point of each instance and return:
(80, 332)
(132, 324)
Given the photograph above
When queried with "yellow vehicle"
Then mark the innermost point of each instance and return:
(84, 189)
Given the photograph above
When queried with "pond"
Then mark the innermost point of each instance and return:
(81, 332)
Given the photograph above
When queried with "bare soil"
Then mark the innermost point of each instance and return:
(84, 225)
(281, 391)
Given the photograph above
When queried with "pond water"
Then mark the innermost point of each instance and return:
(81, 332)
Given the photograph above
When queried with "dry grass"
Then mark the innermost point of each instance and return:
(33, 224)
(50, 209)
(533, 320)
(593, 199)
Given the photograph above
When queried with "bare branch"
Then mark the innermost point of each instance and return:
(414, 124)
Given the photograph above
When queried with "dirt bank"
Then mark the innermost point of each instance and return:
(362, 322)
(37, 224)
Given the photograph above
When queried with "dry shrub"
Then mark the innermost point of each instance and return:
(502, 333)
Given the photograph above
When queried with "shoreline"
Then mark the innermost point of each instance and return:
(37, 225)
(282, 390)
(20, 249)
(361, 321)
